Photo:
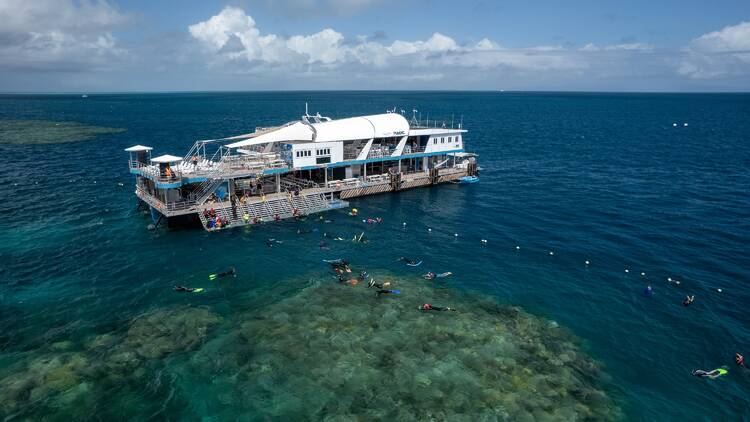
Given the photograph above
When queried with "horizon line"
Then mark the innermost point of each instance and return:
(499, 91)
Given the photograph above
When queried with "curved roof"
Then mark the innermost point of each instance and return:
(364, 127)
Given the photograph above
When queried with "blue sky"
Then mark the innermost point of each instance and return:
(132, 45)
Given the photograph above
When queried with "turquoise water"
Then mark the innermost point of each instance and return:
(90, 327)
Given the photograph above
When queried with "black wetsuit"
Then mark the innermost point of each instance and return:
(231, 271)
(183, 289)
(383, 292)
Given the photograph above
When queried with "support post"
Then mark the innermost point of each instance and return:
(278, 182)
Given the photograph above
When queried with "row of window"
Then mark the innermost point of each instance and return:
(442, 140)
(308, 153)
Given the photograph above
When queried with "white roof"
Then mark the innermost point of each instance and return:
(166, 159)
(296, 131)
(364, 127)
(138, 148)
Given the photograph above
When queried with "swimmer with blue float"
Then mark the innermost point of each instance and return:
(410, 262)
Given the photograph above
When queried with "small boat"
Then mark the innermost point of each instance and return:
(84, 96)
(468, 179)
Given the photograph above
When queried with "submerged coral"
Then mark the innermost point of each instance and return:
(329, 351)
(28, 132)
(340, 351)
(61, 383)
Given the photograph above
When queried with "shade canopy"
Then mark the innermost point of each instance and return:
(138, 148)
(166, 159)
(352, 128)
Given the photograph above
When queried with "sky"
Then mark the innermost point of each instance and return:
(204, 45)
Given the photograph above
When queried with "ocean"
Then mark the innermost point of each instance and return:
(646, 188)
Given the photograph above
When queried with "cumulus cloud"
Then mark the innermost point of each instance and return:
(718, 54)
(58, 34)
(330, 49)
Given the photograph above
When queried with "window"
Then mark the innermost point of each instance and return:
(434, 141)
(442, 140)
(303, 153)
(450, 139)
(456, 139)
(324, 151)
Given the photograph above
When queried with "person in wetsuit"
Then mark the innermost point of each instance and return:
(709, 374)
(409, 261)
(739, 359)
(231, 271)
(183, 289)
(380, 292)
(688, 300)
(372, 283)
(428, 307)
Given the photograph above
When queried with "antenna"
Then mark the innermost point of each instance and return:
(306, 113)
(452, 116)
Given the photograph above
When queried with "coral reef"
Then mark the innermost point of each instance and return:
(31, 132)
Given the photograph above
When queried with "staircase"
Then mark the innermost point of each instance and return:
(265, 211)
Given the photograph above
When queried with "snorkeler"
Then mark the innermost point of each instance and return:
(431, 275)
(231, 271)
(372, 283)
(709, 374)
(688, 300)
(387, 292)
(323, 245)
(648, 291)
(410, 262)
(739, 359)
(350, 281)
(363, 275)
(188, 289)
(428, 307)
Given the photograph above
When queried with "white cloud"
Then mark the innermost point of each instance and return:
(590, 47)
(58, 34)
(718, 54)
(330, 49)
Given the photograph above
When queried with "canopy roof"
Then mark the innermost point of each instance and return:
(364, 127)
(138, 148)
(166, 159)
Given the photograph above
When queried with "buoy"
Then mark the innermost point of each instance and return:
(120, 184)
(484, 240)
(36, 183)
(455, 234)
(404, 224)
(627, 270)
(551, 253)
(429, 230)
(587, 262)
(674, 124)
(718, 290)
(94, 181)
(669, 279)
(685, 124)
(643, 274)
(518, 247)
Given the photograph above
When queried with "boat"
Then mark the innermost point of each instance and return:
(310, 165)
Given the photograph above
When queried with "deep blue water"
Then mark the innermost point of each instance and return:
(598, 177)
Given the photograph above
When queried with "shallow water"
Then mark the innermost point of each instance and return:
(597, 177)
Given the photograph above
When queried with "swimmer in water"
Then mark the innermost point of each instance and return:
(410, 262)
(372, 283)
(380, 292)
(351, 281)
(363, 275)
(688, 300)
(428, 307)
(231, 271)
(648, 291)
(183, 289)
(739, 359)
(431, 275)
(323, 245)
(716, 373)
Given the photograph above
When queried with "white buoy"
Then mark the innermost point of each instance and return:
(627, 270)
(643, 274)
(429, 230)
(587, 262)
(674, 124)
(455, 234)
(484, 240)
(120, 184)
(95, 181)
(36, 183)
(718, 290)
(404, 224)
(669, 279)
(684, 124)
(551, 253)
(518, 247)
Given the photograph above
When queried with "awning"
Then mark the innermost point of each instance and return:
(166, 159)
(138, 148)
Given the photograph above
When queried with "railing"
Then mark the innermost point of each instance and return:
(160, 205)
(413, 150)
